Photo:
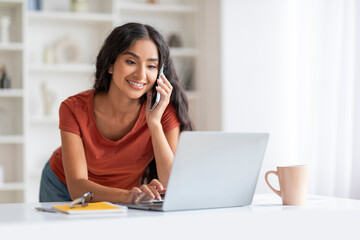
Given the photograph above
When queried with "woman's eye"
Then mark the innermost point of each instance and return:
(151, 67)
(130, 62)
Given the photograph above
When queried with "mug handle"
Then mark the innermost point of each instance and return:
(267, 181)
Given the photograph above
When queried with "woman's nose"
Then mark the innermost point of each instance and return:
(140, 73)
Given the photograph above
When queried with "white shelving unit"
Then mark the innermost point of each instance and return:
(61, 78)
(12, 132)
(31, 135)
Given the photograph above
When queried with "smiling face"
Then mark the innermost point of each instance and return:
(135, 70)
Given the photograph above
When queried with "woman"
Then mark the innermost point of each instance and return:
(109, 136)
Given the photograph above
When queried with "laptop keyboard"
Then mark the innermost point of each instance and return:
(152, 202)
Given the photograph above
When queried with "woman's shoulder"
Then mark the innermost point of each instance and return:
(170, 109)
(170, 113)
(82, 98)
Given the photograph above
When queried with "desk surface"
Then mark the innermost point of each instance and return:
(320, 218)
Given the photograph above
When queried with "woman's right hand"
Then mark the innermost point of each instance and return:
(146, 192)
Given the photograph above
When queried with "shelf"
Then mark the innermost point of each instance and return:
(12, 186)
(147, 7)
(183, 52)
(11, 139)
(11, 47)
(10, 3)
(69, 68)
(44, 120)
(12, 92)
(70, 16)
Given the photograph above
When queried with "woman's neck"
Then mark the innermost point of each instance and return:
(119, 105)
(115, 116)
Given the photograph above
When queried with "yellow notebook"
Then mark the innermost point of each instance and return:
(97, 207)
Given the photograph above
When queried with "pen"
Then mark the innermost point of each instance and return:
(46, 209)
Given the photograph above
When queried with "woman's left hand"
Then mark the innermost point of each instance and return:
(165, 91)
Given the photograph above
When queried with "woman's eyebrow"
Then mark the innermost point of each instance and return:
(136, 56)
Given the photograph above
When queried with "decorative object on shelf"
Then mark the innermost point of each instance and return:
(49, 55)
(67, 51)
(174, 40)
(49, 99)
(35, 5)
(151, 1)
(4, 78)
(2, 177)
(80, 6)
(5, 29)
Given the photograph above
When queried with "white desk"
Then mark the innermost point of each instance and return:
(266, 218)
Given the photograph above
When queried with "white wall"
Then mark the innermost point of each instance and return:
(255, 39)
(209, 74)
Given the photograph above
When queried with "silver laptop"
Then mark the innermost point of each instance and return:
(212, 170)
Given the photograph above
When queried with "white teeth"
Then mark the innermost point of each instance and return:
(136, 84)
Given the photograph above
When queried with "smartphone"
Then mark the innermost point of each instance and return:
(157, 98)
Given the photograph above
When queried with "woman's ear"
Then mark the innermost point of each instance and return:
(111, 69)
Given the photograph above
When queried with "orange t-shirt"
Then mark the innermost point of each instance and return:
(119, 164)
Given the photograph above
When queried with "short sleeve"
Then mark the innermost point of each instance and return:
(67, 120)
(170, 118)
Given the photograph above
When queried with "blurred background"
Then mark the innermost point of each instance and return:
(287, 67)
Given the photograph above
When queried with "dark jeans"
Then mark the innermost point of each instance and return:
(51, 188)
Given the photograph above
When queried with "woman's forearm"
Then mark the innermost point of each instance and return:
(101, 193)
(164, 155)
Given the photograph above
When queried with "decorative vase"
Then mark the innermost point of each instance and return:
(4, 78)
(174, 40)
(49, 99)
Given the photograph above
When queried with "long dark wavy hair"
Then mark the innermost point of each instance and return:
(119, 40)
